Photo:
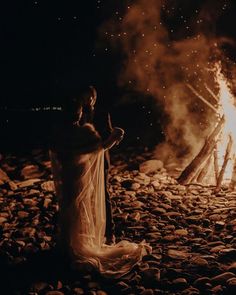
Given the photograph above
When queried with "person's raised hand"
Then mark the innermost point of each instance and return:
(118, 134)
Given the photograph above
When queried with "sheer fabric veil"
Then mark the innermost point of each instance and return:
(79, 183)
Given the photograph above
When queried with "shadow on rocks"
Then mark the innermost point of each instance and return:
(45, 266)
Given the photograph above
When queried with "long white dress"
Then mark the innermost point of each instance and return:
(79, 182)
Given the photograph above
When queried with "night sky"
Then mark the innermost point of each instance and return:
(47, 48)
(50, 47)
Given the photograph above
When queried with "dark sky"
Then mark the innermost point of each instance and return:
(47, 46)
(50, 46)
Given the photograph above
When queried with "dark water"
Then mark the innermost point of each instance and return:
(24, 129)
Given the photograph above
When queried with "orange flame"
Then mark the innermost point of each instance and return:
(228, 110)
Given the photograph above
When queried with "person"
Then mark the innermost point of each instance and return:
(102, 121)
(77, 154)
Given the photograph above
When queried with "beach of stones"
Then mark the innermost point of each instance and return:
(191, 229)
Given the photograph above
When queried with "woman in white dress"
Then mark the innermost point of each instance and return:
(77, 156)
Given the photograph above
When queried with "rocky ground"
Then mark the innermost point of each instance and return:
(191, 229)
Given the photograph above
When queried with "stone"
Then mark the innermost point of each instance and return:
(2, 220)
(122, 286)
(215, 217)
(156, 183)
(193, 220)
(48, 186)
(181, 232)
(22, 214)
(33, 192)
(215, 244)
(3, 176)
(40, 286)
(173, 214)
(176, 254)
(135, 216)
(116, 178)
(47, 202)
(130, 194)
(153, 236)
(5, 214)
(159, 210)
(78, 291)
(180, 283)
(219, 225)
(137, 205)
(135, 186)
(12, 185)
(144, 180)
(29, 202)
(150, 166)
(169, 227)
(217, 249)
(206, 222)
(93, 285)
(28, 231)
(150, 276)
(199, 261)
(147, 292)
(151, 257)
(228, 253)
(101, 292)
(201, 283)
(54, 292)
(153, 264)
(232, 268)
(27, 183)
(31, 171)
(222, 278)
(231, 285)
(217, 289)
(190, 291)
(228, 238)
(169, 238)
(166, 206)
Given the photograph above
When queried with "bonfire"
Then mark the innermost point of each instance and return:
(215, 162)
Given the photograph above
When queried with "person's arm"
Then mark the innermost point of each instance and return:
(96, 143)
(115, 137)
(81, 139)
(86, 139)
(92, 140)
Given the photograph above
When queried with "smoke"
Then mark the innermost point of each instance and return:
(158, 64)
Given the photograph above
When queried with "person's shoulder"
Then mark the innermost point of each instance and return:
(88, 126)
(90, 129)
(87, 139)
(87, 131)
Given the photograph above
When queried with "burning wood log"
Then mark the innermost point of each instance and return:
(195, 177)
(225, 109)
(207, 149)
(225, 162)
(202, 167)
(216, 164)
(233, 179)
(205, 169)
(212, 93)
(203, 99)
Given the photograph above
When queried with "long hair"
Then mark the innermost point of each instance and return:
(78, 99)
